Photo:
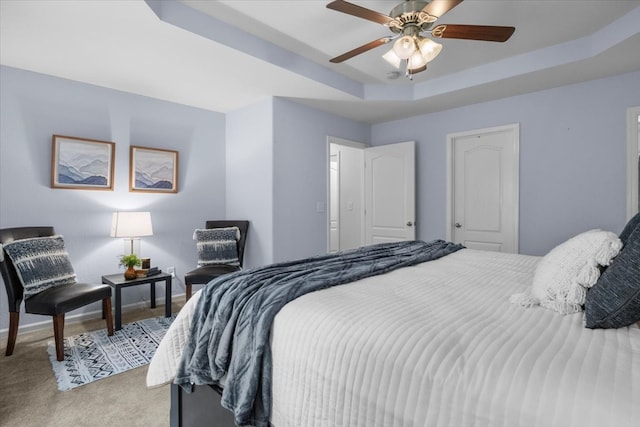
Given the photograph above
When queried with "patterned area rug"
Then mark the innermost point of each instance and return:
(94, 355)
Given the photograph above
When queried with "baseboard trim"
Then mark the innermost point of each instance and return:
(76, 318)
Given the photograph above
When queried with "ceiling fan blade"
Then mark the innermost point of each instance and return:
(438, 8)
(488, 33)
(359, 11)
(361, 49)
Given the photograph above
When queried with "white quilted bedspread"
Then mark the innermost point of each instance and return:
(439, 344)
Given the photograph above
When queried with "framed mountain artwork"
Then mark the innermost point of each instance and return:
(153, 170)
(82, 164)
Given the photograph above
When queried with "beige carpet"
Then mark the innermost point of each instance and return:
(29, 394)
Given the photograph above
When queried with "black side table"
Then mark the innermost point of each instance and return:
(117, 281)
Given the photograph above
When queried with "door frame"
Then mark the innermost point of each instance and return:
(633, 151)
(515, 130)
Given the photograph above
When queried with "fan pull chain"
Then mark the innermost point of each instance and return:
(407, 72)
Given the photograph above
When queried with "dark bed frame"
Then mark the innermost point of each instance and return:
(199, 408)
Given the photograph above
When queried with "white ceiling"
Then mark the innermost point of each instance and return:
(223, 55)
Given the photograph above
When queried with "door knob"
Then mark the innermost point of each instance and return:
(409, 224)
(458, 225)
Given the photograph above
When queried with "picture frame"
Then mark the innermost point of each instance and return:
(82, 163)
(153, 170)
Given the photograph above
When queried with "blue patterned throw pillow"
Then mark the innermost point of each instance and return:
(614, 301)
(41, 263)
(217, 246)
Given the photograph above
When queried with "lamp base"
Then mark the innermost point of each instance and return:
(132, 246)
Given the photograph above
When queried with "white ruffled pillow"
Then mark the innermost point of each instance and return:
(563, 276)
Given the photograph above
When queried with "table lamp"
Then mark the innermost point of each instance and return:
(131, 226)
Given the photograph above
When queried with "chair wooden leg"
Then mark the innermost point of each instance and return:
(14, 318)
(187, 291)
(106, 310)
(58, 335)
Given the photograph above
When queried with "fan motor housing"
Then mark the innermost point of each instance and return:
(409, 13)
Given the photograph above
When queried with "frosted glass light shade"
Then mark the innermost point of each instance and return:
(416, 61)
(404, 47)
(392, 58)
(429, 49)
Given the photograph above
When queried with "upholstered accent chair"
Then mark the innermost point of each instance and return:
(205, 273)
(64, 296)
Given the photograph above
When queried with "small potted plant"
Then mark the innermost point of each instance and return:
(130, 261)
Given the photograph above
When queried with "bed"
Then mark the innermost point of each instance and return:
(433, 344)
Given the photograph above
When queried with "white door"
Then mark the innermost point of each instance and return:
(483, 189)
(334, 206)
(633, 161)
(390, 193)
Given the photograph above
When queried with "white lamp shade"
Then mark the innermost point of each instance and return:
(404, 47)
(429, 49)
(392, 58)
(131, 224)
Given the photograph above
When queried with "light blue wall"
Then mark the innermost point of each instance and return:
(267, 163)
(34, 106)
(277, 174)
(572, 157)
(300, 165)
(250, 177)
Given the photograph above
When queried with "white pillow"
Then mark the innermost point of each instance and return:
(563, 276)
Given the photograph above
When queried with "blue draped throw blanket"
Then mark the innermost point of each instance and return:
(233, 318)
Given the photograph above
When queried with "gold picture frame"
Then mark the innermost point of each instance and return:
(82, 163)
(153, 170)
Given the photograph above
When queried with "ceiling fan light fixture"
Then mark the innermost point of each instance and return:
(429, 49)
(392, 58)
(415, 62)
(408, 20)
(404, 47)
(412, 71)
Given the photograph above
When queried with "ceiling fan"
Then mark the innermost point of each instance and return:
(408, 21)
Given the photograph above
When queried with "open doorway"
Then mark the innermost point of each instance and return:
(346, 194)
(371, 193)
